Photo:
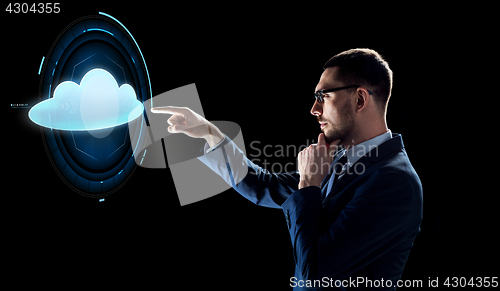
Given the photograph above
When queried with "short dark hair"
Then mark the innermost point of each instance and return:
(364, 67)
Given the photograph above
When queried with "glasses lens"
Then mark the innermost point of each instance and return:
(319, 96)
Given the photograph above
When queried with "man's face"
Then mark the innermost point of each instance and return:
(336, 113)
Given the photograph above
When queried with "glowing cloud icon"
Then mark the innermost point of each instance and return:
(97, 103)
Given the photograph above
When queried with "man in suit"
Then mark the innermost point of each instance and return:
(354, 207)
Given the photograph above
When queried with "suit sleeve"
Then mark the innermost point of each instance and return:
(370, 225)
(250, 180)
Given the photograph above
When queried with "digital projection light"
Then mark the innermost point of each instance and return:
(95, 105)
(93, 81)
(96, 120)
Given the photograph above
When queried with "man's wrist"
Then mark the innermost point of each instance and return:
(304, 183)
(214, 136)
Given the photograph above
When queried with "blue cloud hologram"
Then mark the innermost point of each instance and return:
(97, 103)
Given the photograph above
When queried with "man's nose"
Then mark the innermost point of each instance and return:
(317, 108)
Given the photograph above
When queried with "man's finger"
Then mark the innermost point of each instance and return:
(178, 128)
(170, 110)
(321, 139)
(176, 119)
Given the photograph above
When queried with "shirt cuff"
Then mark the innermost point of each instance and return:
(208, 149)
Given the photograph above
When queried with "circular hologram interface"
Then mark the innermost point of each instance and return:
(97, 162)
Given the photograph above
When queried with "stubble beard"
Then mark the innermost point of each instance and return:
(343, 129)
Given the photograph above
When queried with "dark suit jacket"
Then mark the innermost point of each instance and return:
(363, 229)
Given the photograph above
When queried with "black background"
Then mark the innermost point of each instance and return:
(256, 65)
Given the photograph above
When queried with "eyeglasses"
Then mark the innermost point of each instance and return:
(319, 94)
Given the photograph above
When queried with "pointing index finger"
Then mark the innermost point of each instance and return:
(169, 110)
(321, 139)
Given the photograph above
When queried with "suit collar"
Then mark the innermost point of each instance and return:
(361, 149)
(394, 144)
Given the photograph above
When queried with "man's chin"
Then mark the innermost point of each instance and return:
(329, 138)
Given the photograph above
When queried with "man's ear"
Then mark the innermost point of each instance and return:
(362, 98)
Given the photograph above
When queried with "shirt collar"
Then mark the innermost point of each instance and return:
(361, 149)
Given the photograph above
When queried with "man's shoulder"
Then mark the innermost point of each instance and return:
(391, 157)
(395, 168)
(388, 169)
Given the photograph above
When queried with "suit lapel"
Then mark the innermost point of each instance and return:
(352, 172)
(392, 145)
(326, 185)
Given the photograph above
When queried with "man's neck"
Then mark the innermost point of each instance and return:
(364, 135)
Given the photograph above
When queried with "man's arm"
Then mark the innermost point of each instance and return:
(268, 189)
(228, 161)
(185, 120)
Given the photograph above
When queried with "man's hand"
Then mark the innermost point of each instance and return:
(315, 161)
(190, 123)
